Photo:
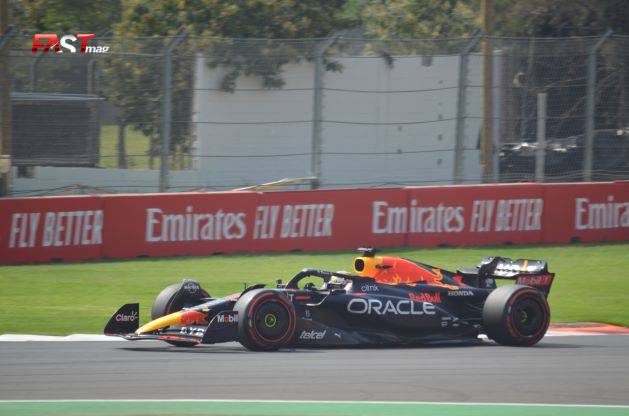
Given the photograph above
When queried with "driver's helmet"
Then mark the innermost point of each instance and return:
(338, 279)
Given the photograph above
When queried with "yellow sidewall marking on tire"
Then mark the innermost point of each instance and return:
(270, 320)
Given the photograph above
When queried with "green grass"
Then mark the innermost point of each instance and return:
(137, 146)
(79, 298)
(136, 143)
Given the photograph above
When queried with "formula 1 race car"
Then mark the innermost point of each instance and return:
(389, 301)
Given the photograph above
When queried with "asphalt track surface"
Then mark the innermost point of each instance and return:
(569, 370)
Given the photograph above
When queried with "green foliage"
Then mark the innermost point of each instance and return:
(306, 19)
(233, 19)
(419, 18)
(212, 25)
(66, 16)
(550, 18)
(222, 26)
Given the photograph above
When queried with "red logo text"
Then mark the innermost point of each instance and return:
(68, 43)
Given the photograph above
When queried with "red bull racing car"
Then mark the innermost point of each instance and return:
(386, 301)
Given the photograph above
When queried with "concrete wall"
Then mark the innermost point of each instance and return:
(368, 138)
(291, 105)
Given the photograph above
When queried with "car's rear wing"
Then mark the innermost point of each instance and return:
(527, 272)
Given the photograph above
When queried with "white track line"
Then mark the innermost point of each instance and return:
(314, 402)
(68, 338)
(97, 337)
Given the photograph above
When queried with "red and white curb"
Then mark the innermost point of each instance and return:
(557, 330)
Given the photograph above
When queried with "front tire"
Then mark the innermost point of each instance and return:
(516, 315)
(168, 302)
(266, 320)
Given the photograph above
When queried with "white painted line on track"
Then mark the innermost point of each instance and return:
(67, 338)
(619, 406)
(98, 337)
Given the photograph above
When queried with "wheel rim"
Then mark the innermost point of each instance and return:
(271, 320)
(528, 317)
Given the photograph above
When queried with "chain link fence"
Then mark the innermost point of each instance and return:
(195, 113)
(566, 74)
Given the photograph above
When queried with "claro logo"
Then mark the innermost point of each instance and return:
(127, 318)
(400, 307)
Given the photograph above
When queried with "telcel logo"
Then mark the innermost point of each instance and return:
(46, 41)
(312, 335)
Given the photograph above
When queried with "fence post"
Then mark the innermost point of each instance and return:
(540, 150)
(461, 107)
(317, 107)
(6, 141)
(122, 145)
(33, 71)
(590, 107)
(167, 75)
(92, 69)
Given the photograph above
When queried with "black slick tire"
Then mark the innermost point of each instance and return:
(516, 315)
(167, 302)
(266, 320)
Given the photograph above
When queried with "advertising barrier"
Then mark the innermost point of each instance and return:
(126, 226)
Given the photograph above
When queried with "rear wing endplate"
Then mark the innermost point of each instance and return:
(527, 272)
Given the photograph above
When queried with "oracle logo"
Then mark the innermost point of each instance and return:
(401, 307)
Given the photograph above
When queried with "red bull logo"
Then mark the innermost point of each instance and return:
(425, 297)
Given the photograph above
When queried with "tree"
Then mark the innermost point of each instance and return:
(215, 27)
(552, 18)
(66, 16)
(233, 19)
(416, 19)
(569, 18)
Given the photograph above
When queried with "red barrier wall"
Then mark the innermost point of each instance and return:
(52, 228)
(123, 226)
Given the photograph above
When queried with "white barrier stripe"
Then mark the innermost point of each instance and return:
(105, 338)
(48, 338)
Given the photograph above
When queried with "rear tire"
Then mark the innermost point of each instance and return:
(516, 315)
(167, 302)
(266, 320)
